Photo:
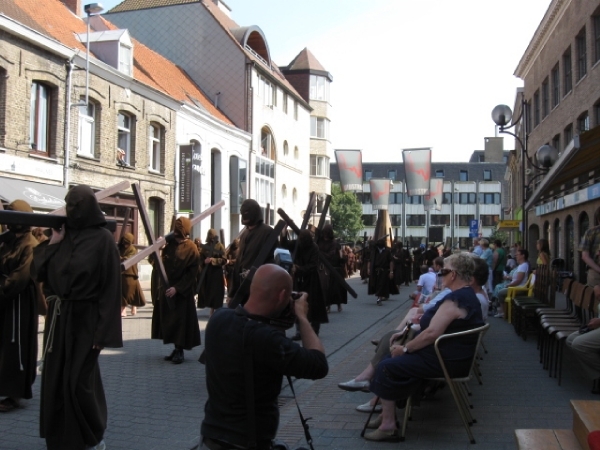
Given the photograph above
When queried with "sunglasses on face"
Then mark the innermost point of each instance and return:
(444, 272)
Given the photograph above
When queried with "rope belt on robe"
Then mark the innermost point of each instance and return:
(16, 323)
(50, 339)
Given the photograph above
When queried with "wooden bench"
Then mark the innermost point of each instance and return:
(586, 418)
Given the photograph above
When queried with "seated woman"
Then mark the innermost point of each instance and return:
(404, 371)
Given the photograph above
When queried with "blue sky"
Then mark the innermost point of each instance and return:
(406, 73)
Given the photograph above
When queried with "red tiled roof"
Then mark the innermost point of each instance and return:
(150, 68)
(135, 5)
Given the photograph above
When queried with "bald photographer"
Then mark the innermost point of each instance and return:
(247, 355)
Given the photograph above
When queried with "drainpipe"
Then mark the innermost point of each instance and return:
(67, 136)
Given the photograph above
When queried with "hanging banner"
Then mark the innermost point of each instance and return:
(380, 193)
(436, 191)
(417, 170)
(350, 165)
(185, 178)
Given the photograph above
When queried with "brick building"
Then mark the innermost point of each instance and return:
(51, 139)
(561, 103)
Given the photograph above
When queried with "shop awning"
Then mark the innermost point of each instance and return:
(38, 195)
(580, 157)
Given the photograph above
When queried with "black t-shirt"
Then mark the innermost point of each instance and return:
(273, 355)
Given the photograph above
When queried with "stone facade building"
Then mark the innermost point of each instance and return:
(139, 107)
(561, 104)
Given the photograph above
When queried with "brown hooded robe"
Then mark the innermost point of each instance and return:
(18, 314)
(82, 282)
(179, 326)
(212, 289)
(132, 294)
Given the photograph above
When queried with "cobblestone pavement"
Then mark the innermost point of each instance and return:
(155, 405)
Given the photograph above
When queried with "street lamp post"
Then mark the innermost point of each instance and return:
(546, 155)
(90, 9)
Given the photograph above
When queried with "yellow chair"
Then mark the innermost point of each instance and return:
(526, 290)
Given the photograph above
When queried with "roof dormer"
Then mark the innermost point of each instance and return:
(113, 47)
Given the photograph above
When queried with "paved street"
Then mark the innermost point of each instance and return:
(155, 405)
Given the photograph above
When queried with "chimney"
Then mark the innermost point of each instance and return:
(74, 6)
(494, 149)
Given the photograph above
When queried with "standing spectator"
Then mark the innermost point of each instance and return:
(543, 249)
(477, 247)
(178, 319)
(488, 256)
(81, 275)
(335, 293)
(211, 288)
(18, 314)
(381, 280)
(251, 243)
(499, 261)
(132, 294)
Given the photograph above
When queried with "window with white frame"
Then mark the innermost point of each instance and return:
(39, 118)
(286, 149)
(296, 153)
(87, 130)
(295, 110)
(126, 59)
(264, 181)
(267, 91)
(319, 88)
(125, 127)
(319, 166)
(155, 145)
(285, 102)
(319, 127)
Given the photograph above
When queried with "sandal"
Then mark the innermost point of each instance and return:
(8, 404)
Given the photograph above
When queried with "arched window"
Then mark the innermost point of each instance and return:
(296, 153)
(286, 149)
(556, 240)
(569, 243)
(584, 224)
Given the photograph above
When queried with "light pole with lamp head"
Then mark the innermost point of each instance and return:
(90, 10)
(546, 155)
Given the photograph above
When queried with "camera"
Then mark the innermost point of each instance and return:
(287, 318)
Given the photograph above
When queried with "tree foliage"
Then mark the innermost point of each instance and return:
(497, 234)
(346, 214)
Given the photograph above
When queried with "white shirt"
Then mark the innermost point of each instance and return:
(524, 269)
(427, 282)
